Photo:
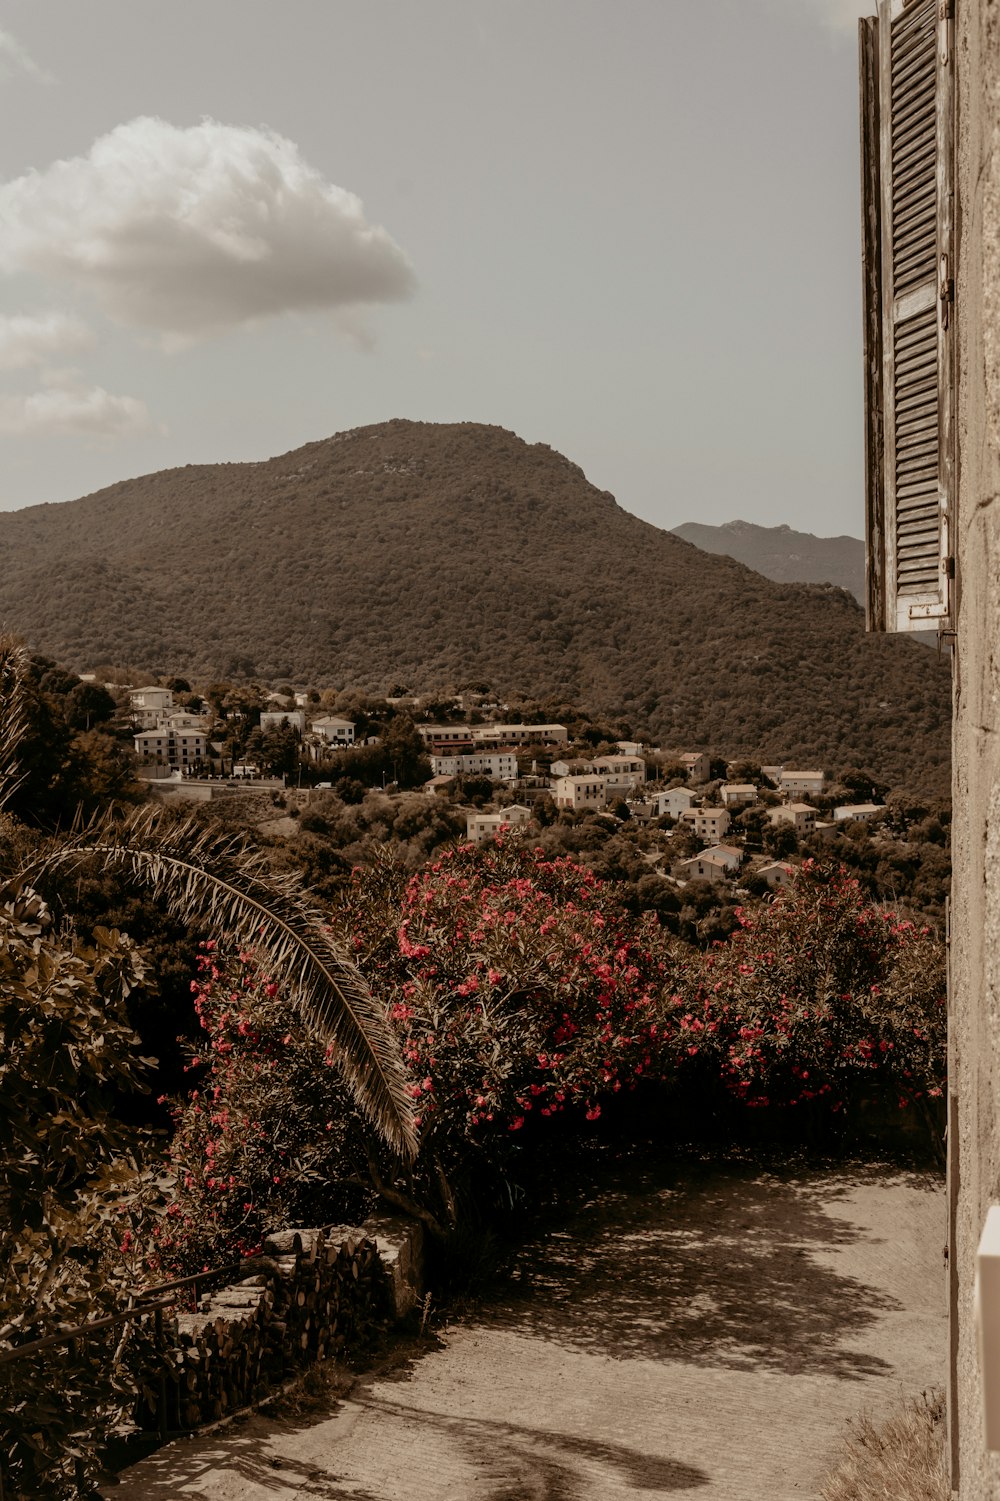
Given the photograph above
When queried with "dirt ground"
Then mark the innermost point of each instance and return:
(704, 1328)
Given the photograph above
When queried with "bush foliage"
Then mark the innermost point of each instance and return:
(526, 996)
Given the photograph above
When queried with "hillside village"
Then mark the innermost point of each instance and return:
(722, 822)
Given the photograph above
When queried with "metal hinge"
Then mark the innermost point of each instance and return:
(947, 11)
(946, 289)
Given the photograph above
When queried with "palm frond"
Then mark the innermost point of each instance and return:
(220, 881)
(14, 714)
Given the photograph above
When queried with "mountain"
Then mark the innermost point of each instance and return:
(425, 555)
(780, 553)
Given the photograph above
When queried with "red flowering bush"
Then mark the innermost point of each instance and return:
(820, 995)
(519, 987)
(267, 1134)
(522, 992)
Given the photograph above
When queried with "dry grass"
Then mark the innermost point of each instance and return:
(317, 1391)
(901, 1458)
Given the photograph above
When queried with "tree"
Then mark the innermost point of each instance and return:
(206, 878)
(70, 1186)
(87, 705)
(217, 882)
(276, 749)
(65, 1045)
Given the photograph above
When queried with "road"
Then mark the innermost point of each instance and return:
(702, 1328)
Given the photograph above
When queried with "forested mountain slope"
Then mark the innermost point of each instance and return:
(781, 553)
(426, 555)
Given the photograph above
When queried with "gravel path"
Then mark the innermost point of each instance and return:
(700, 1329)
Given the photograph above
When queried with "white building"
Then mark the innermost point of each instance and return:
(441, 738)
(709, 823)
(801, 816)
(499, 766)
(518, 734)
(621, 771)
(809, 782)
(738, 794)
(778, 873)
(334, 731)
(674, 803)
(580, 766)
(730, 856)
(703, 867)
(166, 745)
(482, 826)
(149, 705)
(580, 792)
(860, 812)
(697, 765)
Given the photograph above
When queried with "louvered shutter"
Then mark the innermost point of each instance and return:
(906, 106)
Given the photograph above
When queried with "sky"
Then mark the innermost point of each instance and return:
(629, 230)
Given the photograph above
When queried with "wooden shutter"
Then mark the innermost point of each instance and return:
(906, 135)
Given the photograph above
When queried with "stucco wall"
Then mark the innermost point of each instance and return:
(975, 953)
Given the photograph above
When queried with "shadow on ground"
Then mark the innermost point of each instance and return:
(255, 1456)
(510, 1462)
(713, 1265)
(519, 1463)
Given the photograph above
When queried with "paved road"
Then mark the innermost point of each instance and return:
(705, 1329)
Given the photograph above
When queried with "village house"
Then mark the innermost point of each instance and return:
(703, 867)
(709, 823)
(801, 816)
(497, 736)
(738, 794)
(858, 812)
(630, 747)
(621, 771)
(580, 792)
(337, 732)
(579, 766)
(697, 765)
(499, 766)
(185, 721)
(729, 854)
(482, 826)
(777, 873)
(178, 748)
(441, 738)
(809, 782)
(673, 803)
(149, 706)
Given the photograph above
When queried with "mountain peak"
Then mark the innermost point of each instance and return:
(439, 554)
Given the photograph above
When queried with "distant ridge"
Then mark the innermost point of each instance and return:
(422, 555)
(780, 553)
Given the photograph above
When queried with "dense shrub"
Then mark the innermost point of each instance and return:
(71, 1193)
(820, 994)
(525, 995)
(266, 1136)
(520, 988)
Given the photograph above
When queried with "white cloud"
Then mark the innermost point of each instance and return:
(191, 231)
(33, 338)
(13, 56)
(68, 408)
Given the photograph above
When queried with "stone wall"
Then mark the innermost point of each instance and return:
(975, 925)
